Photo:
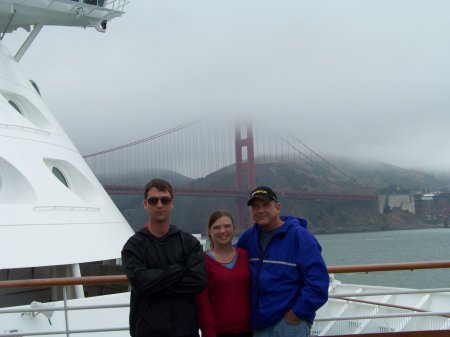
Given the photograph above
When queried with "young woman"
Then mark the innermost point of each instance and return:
(224, 305)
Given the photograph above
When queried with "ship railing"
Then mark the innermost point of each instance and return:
(345, 313)
(366, 310)
(66, 306)
(117, 5)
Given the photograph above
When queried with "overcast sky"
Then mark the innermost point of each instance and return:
(366, 79)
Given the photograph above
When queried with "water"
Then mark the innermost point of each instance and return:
(390, 247)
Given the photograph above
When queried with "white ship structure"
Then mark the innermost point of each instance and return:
(56, 216)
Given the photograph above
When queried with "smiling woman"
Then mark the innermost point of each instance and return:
(220, 233)
(224, 305)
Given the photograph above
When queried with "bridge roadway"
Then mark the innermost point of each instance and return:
(187, 191)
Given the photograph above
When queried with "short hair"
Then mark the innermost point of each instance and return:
(160, 184)
(216, 215)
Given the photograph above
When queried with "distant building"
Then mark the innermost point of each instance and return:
(434, 206)
(403, 201)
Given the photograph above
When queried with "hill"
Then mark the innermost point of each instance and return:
(324, 216)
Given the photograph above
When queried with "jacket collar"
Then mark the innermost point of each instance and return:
(173, 230)
(289, 221)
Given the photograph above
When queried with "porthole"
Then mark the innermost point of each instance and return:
(15, 106)
(58, 174)
(35, 86)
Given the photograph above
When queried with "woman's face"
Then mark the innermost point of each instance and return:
(222, 231)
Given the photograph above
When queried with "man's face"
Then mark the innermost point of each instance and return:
(265, 213)
(158, 205)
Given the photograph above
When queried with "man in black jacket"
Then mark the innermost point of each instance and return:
(165, 267)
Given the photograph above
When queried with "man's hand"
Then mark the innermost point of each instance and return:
(291, 318)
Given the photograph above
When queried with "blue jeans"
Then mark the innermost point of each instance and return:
(285, 329)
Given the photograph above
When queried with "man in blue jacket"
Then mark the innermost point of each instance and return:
(289, 276)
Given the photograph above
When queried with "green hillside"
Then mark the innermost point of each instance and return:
(324, 216)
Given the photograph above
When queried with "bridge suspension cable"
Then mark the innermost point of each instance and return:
(324, 160)
(158, 135)
(198, 148)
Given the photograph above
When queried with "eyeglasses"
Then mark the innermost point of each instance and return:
(154, 200)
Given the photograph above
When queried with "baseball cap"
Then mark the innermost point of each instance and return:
(264, 193)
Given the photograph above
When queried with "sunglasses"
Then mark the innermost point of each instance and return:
(154, 200)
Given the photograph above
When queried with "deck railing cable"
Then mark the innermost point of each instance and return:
(359, 319)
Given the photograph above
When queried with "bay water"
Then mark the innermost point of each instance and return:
(390, 247)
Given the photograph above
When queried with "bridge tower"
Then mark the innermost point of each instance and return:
(245, 171)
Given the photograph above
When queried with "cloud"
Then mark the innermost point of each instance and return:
(366, 79)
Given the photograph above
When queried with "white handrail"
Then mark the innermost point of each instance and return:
(407, 314)
(397, 292)
(336, 319)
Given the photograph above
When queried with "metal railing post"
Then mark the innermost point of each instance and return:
(66, 313)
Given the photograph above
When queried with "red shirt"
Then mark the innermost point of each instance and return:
(224, 305)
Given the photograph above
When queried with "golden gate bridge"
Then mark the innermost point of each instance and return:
(197, 149)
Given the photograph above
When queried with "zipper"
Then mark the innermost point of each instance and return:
(260, 265)
(260, 262)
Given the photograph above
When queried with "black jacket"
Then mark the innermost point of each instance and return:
(165, 274)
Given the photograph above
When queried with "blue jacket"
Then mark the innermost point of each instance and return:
(291, 275)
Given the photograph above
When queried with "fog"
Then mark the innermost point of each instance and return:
(364, 79)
